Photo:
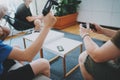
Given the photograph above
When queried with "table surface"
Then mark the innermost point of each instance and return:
(52, 35)
(55, 39)
(66, 43)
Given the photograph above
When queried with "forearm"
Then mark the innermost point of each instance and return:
(32, 18)
(29, 53)
(109, 32)
(37, 44)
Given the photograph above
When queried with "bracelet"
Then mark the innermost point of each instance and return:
(85, 35)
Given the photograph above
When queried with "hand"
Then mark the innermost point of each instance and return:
(83, 30)
(49, 20)
(37, 22)
(40, 17)
(98, 28)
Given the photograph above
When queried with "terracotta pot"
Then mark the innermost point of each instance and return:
(65, 21)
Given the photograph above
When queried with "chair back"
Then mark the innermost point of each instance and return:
(17, 24)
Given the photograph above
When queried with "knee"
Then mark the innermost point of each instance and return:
(37, 22)
(80, 60)
(45, 63)
(82, 57)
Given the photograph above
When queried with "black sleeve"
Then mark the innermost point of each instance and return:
(116, 39)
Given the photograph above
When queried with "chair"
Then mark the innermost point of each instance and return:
(17, 24)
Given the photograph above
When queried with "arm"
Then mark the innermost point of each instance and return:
(99, 54)
(30, 52)
(109, 32)
(32, 18)
(105, 31)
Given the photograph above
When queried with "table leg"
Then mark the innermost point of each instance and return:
(73, 69)
(81, 48)
(51, 60)
(41, 53)
(24, 42)
(69, 72)
(64, 66)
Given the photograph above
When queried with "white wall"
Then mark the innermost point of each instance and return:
(39, 4)
(103, 12)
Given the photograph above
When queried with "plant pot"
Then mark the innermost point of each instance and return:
(65, 21)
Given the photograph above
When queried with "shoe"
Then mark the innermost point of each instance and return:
(36, 31)
(29, 32)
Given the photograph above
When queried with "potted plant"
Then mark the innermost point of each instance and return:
(66, 13)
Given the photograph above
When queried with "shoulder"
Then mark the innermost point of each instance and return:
(116, 39)
(21, 9)
(4, 47)
(21, 6)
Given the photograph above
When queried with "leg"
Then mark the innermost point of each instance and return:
(41, 66)
(19, 72)
(17, 46)
(8, 63)
(37, 24)
(85, 74)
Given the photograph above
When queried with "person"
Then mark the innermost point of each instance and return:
(24, 19)
(4, 31)
(100, 62)
(28, 71)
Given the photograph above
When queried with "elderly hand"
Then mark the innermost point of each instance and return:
(83, 31)
(98, 28)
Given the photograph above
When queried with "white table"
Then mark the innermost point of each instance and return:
(52, 35)
(68, 45)
(53, 40)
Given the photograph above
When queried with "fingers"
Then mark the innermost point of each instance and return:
(83, 30)
(49, 20)
(81, 26)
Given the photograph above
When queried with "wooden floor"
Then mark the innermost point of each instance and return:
(75, 30)
(15, 35)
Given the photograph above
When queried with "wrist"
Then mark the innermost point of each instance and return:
(47, 27)
(85, 35)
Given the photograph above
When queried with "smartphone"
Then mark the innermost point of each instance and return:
(92, 26)
(60, 48)
(48, 6)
